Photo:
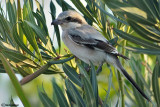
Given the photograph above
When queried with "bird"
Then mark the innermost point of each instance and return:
(88, 44)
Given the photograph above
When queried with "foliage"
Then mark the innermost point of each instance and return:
(132, 26)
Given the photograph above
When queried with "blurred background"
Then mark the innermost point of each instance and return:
(140, 66)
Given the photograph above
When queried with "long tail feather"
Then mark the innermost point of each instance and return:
(124, 57)
(120, 68)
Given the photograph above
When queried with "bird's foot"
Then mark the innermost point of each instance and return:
(99, 68)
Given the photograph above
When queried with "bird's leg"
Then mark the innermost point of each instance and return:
(100, 67)
(58, 57)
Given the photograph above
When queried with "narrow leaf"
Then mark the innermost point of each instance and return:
(82, 71)
(14, 81)
(155, 83)
(77, 94)
(144, 32)
(21, 71)
(72, 94)
(89, 94)
(40, 33)
(60, 61)
(56, 29)
(72, 74)
(20, 42)
(94, 82)
(141, 50)
(109, 86)
(83, 9)
(19, 58)
(46, 101)
(110, 15)
(60, 95)
(136, 40)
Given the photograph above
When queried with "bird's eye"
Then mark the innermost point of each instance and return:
(68, 18)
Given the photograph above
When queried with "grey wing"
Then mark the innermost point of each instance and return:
(81, 38)
(92, 42)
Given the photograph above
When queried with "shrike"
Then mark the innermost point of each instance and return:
(86, 43)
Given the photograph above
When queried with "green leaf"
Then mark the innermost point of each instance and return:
(46, 101)
(83, 9)
(128, 95)
(113, 41)
(21, 71)
(73, 94)
(109, 86)
(71, 99)
(20, 59)
(60, 95)
(144, 32)
(27, 11)
(89, 94)
(72, 74)
(46, 49)
(50, 71)
(83, 71)
(64, 5)
(31, 38)
(40, 10)
(20, 42)
(53, 10)
(29, 35)
(56, 29)
(11, 7)
(60, 61)
(14, 81)
(141, 50)
(147, 6)
(110, 15)
(15, 56)
(77, 94)
(128, 10)
(136, 40)
(155, 83)
(138, 98)
(136, 69)
(39, 18)
(45, 55)
(39, 32)
(19, 12)
(5, 29)
(94, 82)
(156, 7)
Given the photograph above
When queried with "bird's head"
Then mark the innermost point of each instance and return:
(69, 19)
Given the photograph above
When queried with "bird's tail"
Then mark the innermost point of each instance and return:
(124, 72)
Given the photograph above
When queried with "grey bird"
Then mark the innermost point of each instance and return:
(86, 43)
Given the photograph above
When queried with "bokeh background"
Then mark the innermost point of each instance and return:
(137, 63)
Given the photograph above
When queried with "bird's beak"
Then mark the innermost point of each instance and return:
(56, 22)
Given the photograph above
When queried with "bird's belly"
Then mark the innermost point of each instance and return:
(84, 53)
